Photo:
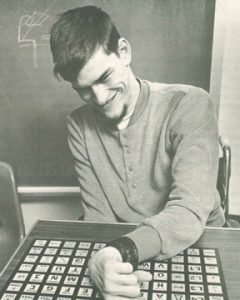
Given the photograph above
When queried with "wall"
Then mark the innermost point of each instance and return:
(50, 208)
(225, 87)
(34, 105)
(229, 114)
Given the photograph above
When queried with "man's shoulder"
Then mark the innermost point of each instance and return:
(176, 96)
(172, 89)
(81, 113)
(80, 118)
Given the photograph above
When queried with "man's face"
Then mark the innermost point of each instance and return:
(104, 82)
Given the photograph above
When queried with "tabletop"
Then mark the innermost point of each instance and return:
(227, 240)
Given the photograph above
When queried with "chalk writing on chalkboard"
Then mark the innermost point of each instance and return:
(30, 33)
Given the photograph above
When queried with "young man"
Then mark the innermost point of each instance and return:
(144, 152)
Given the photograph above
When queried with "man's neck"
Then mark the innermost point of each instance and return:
(132, 104)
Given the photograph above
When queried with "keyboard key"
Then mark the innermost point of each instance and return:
(214, 289)
(42, 268)
(69, 244)
(53, 278)
(85, 292)
(87, 272)
(195, 278)
(67, 291)
(98, 246)
(160, 266)
(196, 288)
(58, 269)
(14, 287)
(178, 287)
(178, 277)
(194, 269)
(86, 281)
(177, 268)
(62, 260)
(144, 285)
(26, 297)
(31, 258)
(142, 296)
(40, 243)
(81, 252)
(210, 260)
(74, 270)
(84, 245)
(49, 289)
(26, 267)
(209, 252)
(193, 251)
(8, 296)
(178, 259)
(45, 297)
(212, 269)
(194, 260)
(66, 252)
(213, 278)
(144, 266)
(78, 261)
(37, 277)
(54, 244)
(159, 286)
(35, 250)
(46, 259)
(160, 275)
(178, 297)
(20, 276)
(159, 296)
(51, 251)
(71, 280)
(31, 288)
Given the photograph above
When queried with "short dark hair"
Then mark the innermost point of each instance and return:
(76, 35)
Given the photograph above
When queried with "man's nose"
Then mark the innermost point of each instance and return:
(100, 94)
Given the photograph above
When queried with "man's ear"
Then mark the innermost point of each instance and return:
(124, 51)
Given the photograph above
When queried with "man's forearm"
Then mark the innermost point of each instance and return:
(147, 241)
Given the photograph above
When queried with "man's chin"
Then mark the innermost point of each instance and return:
(115, 118)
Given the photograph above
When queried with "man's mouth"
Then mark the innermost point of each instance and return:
(109, 102)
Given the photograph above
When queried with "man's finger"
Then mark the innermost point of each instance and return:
(143, 275)
(127, 279)
(123, 267)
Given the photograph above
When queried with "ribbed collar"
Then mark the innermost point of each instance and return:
(142, 101)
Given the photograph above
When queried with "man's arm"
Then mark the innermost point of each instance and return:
(193, 133)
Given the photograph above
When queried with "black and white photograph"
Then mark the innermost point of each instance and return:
(119, 150)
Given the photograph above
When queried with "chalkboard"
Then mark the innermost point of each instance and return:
(171, 42)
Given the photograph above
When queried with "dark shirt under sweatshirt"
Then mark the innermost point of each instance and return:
(159, 172)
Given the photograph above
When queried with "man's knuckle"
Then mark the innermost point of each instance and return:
(107, 267)
(134, 279)
(107, 287)
(137, 290)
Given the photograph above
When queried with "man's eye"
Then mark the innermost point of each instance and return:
(81, 91)
(106, 79)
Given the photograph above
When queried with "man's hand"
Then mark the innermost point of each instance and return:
(115, 279)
